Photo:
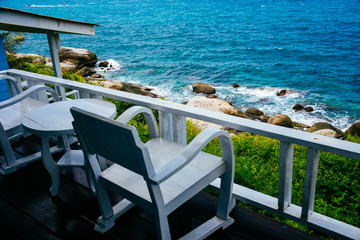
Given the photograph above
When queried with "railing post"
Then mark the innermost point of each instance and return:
(84, 94)
(179, 125)
(312, 164)
(95, 96)
(285, 175)
(41, 96)
(166, 125)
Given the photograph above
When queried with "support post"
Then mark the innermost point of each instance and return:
(54, 45)
(312, 164)
(285, 175)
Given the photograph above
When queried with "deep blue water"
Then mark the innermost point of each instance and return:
(311, 47)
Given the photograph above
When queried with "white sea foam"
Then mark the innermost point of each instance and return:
(43, 6)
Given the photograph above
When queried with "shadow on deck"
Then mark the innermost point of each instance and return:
(27, 211)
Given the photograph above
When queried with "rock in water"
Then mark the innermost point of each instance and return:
(280, 120)
(308, 109)
(298, 107)
(281, 93)
(126, 87)
(203, 88)
(104, 64)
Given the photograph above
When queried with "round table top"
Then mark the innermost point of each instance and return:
(55, 119)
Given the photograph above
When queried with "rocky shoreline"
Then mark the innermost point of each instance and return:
(211, 102)
(84, 61)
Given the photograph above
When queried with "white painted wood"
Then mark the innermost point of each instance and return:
(11, 113)
(306, 139)
(312, 164)
(73, 158)
(166, 125)
(287, 135)
(56, 120)
(317, 221)
(208, 228)
(54, 45)
(21, 21)
(159, 175)
(179, 128)
(285, 174)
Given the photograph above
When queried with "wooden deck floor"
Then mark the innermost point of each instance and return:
(27, 211)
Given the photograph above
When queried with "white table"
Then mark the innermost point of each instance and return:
(56, 120)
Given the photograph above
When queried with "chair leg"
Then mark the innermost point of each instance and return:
(225, 196)
(6, 147)
(162, 225)
(104, 224)
(105, 221)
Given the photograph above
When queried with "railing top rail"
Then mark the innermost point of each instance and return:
(310, 140)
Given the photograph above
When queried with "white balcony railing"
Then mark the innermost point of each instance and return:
(173, 127)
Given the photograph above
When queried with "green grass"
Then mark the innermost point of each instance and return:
(257, 166)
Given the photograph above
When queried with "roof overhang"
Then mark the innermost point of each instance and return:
(21, 21)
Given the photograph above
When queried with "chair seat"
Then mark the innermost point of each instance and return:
(204, 164)
(11, 117)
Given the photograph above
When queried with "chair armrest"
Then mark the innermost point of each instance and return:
(193, 149)
(126, 116)
(15, 82)
(27, 93)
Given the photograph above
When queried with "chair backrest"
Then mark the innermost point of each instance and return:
(117, 142)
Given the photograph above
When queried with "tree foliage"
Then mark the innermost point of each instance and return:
(12, 41)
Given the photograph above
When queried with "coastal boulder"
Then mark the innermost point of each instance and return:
(216, 105)
(321, 125)
(104, 64)
(96, 75)
(31, 58)
(79, 57)
(67, 65)
(298, 107)
(213, 104)
(300, 126)
(281, 93)
(308, 109)
(212, 96)
(86, 71)
(235, 85)
(264, 118)
(354, 129)
(126, 87)
(280, 120)
(254, 111)
(203, 88)
(327, 133)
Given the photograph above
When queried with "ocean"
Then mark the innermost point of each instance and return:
(309, 47)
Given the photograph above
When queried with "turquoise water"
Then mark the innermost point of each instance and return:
(311, 47)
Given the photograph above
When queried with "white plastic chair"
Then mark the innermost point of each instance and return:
(158, 176)
(11, 113)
